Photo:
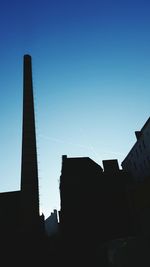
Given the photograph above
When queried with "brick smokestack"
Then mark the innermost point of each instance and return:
(29, 168)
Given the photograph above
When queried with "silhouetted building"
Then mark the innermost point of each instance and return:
(117, 211)
(79, 178)
(10, 207)
(19, 210)
(137, 162)
(51, 224)
(94, 203)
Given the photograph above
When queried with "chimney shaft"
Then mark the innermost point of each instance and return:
(29, 168)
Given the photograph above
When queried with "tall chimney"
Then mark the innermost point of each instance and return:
(29, 168)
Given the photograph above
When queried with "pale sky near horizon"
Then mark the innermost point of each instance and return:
(91, 76)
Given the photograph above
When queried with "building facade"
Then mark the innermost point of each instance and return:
(137, 162)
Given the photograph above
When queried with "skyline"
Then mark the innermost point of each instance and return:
(91, 83)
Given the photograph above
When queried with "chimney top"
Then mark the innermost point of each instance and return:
(27, 56)
(110, 165)
(138, 134)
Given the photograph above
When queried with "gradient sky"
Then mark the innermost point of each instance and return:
(91, 74)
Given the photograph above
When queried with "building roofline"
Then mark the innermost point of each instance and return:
(144, 126)
(65, 157)
(10, 192)
(146, 123)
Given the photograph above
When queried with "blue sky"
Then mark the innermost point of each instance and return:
(91, 74)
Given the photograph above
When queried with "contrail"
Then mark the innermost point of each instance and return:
(57, 140)
(89, 147)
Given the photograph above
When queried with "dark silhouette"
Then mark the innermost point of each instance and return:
(94, 205)
(51, 224)
(104, 217)
(137, 161)
(29, 171)
(21, 226)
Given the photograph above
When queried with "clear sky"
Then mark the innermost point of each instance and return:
(91, 74)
